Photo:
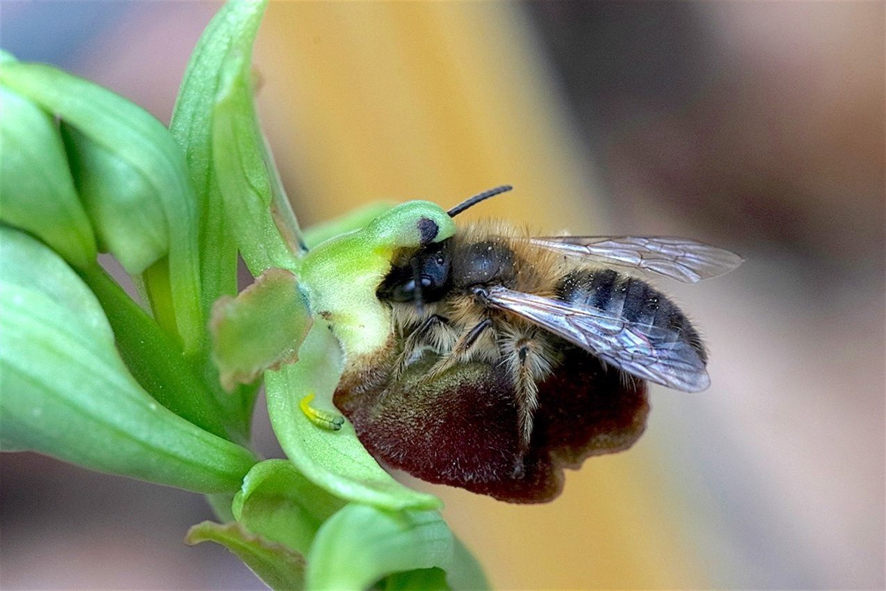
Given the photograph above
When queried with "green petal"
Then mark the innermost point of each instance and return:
(333, 460)
(130, 146)
(275, 564)
(232, 29)
(235, 25)
(221, 505)
(360, 545)
(464, 573)
(259, 329)
(356, 219)
(280, 504)
(66, 392)
(36, 189)
(264, 225)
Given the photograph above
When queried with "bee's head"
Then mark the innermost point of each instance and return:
(419, 265)
(423, 274)
(349, 277)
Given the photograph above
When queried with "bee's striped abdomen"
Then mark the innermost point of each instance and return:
(630, 299)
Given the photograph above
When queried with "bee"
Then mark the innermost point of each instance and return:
(494, 295)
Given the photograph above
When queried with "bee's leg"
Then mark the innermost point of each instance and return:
(417, 339)
(526, 391)
(463, 348)
(529, 360)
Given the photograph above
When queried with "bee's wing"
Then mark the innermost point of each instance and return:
(677, 258)
(648, 352)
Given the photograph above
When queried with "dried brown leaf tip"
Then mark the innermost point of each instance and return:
(462, 428)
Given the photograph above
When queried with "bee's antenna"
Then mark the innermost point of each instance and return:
(471, 201)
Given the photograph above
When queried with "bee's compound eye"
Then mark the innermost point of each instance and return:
(428, 230)
(430, 266)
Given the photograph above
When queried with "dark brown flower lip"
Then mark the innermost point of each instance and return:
(461, 429)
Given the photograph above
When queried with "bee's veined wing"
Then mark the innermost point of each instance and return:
(648, 352)
(677, 258)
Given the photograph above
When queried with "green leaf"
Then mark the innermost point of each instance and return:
(65, 392)
(280, 504)
(258, 211)
(275, 564)
(153, 358)
(259, 329)
(235, 25)
(129, 145)
(359, 545)
(333, 460)
(36, 189)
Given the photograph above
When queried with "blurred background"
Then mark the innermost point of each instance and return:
(758, 127)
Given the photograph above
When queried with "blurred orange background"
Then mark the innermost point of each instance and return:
(758, 127)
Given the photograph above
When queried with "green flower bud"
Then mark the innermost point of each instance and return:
(135, 186)
(36, 189)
